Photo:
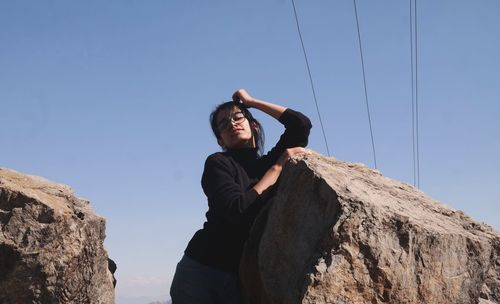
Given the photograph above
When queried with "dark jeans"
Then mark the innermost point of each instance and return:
(195, 283)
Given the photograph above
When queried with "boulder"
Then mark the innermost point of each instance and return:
(51, 244)
(338, 232)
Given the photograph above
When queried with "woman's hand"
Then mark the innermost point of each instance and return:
(272, 174)
(271, 109)
(244, 97)
(292, 152)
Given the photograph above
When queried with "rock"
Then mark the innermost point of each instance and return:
(51, 244)
(338, 232)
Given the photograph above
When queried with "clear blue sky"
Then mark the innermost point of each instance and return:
(113, 97)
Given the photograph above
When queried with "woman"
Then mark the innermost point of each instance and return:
(236, 182)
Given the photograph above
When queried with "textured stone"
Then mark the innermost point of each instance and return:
(338, 232)
(51, 244)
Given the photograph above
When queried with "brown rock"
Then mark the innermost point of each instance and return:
(342, 233)
(51, 244)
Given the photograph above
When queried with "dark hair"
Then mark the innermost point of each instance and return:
(258, 132)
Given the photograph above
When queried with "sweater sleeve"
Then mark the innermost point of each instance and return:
(226, 199)
(297, 129)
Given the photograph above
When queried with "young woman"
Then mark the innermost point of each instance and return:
(236, 182)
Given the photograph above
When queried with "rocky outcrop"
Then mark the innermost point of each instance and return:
(338, 232)
(51, 244)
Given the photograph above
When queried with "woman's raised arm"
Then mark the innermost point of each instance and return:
(291, 143)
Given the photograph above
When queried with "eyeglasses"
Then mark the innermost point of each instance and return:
(235, 118)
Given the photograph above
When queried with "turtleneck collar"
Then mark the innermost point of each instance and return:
(243, 153)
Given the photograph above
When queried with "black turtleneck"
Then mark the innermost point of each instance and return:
(233, 204)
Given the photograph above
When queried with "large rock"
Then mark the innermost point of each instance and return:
(342, 233)
(51, 244)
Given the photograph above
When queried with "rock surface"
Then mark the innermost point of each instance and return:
(337, 232)
(51, 244)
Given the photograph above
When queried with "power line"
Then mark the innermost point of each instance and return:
(364, 83)
(416, 96)
(414, 92)
(412, 97)
(310, 76)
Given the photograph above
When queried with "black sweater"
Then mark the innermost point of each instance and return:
(233, 204)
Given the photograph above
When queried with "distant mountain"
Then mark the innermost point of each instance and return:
(143, 300)
(159, 302)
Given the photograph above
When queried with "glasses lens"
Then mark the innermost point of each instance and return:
(238, 117)
(235, 118)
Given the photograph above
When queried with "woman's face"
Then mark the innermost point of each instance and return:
(234, 129)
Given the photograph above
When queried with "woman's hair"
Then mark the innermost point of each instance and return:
(257, 130)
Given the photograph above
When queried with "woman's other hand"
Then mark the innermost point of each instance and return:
(271, 176)
(243, 96)
(292, 152)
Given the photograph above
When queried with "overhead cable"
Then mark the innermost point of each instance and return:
(310, 76)
(414, 92)
(364, 83)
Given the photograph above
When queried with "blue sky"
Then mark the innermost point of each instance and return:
(113, 97)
